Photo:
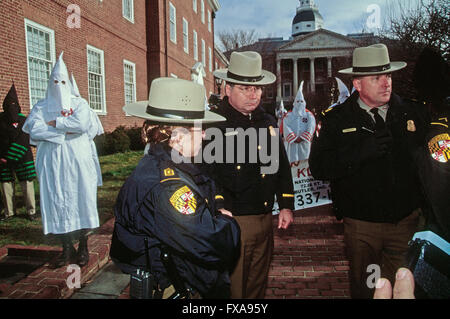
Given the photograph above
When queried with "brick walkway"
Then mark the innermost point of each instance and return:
(309, 259)
(309, 262)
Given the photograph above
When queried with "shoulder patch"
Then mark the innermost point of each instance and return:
(184, 201)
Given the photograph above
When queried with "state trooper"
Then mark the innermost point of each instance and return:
(168, 202)
(248, 191)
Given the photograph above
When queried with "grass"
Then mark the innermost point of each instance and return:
(115, 169)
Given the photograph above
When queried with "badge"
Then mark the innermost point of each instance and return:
(67, 113)
(169, 172)
(184, 201)
(410, 126)
(348, 130)
(15, 125)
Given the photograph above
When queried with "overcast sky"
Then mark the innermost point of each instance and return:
(274, 17)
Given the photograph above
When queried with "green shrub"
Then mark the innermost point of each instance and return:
(121, 140)
(134, 133)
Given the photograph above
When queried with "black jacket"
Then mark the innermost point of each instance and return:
(246, 188)
(433, 158)
(173, 205)
(365, 186)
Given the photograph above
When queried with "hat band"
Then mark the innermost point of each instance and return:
(175, 114)
(249, 79)
(372, 68)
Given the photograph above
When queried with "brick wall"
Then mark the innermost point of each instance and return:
(102, 26)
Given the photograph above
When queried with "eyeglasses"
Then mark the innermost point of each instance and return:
(249, 89)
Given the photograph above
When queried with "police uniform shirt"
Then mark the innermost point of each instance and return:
(382, 110)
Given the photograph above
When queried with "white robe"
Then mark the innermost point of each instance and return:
(65, 167)
(297, 127)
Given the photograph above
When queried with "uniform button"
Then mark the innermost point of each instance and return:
(206, 200)
(263, 175)
(259, 147)
(238, 167)
(265, 203)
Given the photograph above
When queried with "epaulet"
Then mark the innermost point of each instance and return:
(328, 110)
(415, 101)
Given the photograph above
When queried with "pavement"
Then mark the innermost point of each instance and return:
(309, 263)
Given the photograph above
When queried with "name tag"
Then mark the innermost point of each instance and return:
(348, 130)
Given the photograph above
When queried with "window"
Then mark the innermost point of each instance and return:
(203, 53)
(185, 36)
(287, 89)
(194, 5)
(202, 10)
(195, 46)
(129, 80)
(128, 10)
(40, 42)
(96, 79)
(173, 23)
(209, 21)
(210, 59)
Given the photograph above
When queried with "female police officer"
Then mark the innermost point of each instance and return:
(170, 203)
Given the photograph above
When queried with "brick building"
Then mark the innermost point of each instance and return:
(114, 48)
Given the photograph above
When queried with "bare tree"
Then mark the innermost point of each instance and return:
(409, 26)
(419, 23)
(236, 38)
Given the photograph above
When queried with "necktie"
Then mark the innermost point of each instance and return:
(379, 122)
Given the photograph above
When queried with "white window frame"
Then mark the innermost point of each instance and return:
(287, 85)
(202, 10)
(195, 45)
(172, 23)
(131, 65)
(186, 35)
(210, 59)
(209, 21)
(103, 77)
(203, 53)
(130, 7)
(194, 5)
(52, 61)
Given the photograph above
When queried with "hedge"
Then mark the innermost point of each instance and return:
(120, 140)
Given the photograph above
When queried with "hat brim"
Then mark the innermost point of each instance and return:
(268, 78)
(139, 109)
(395, 66)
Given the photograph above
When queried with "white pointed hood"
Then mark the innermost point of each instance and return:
(280, 111)
(344, 93)
(59, 89)
(74, 85)
(299, 102)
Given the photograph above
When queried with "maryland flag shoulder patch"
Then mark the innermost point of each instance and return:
(440, 147)
(184, 201)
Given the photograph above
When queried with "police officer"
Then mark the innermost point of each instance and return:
(432, 81)
(247, 187)
(169, 201)
(365, 149)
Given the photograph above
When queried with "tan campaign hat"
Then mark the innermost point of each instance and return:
(372, 60)
(246, 68)
(175, 101)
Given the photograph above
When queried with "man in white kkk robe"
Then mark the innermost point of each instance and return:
(59, 126)
(299, 125)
